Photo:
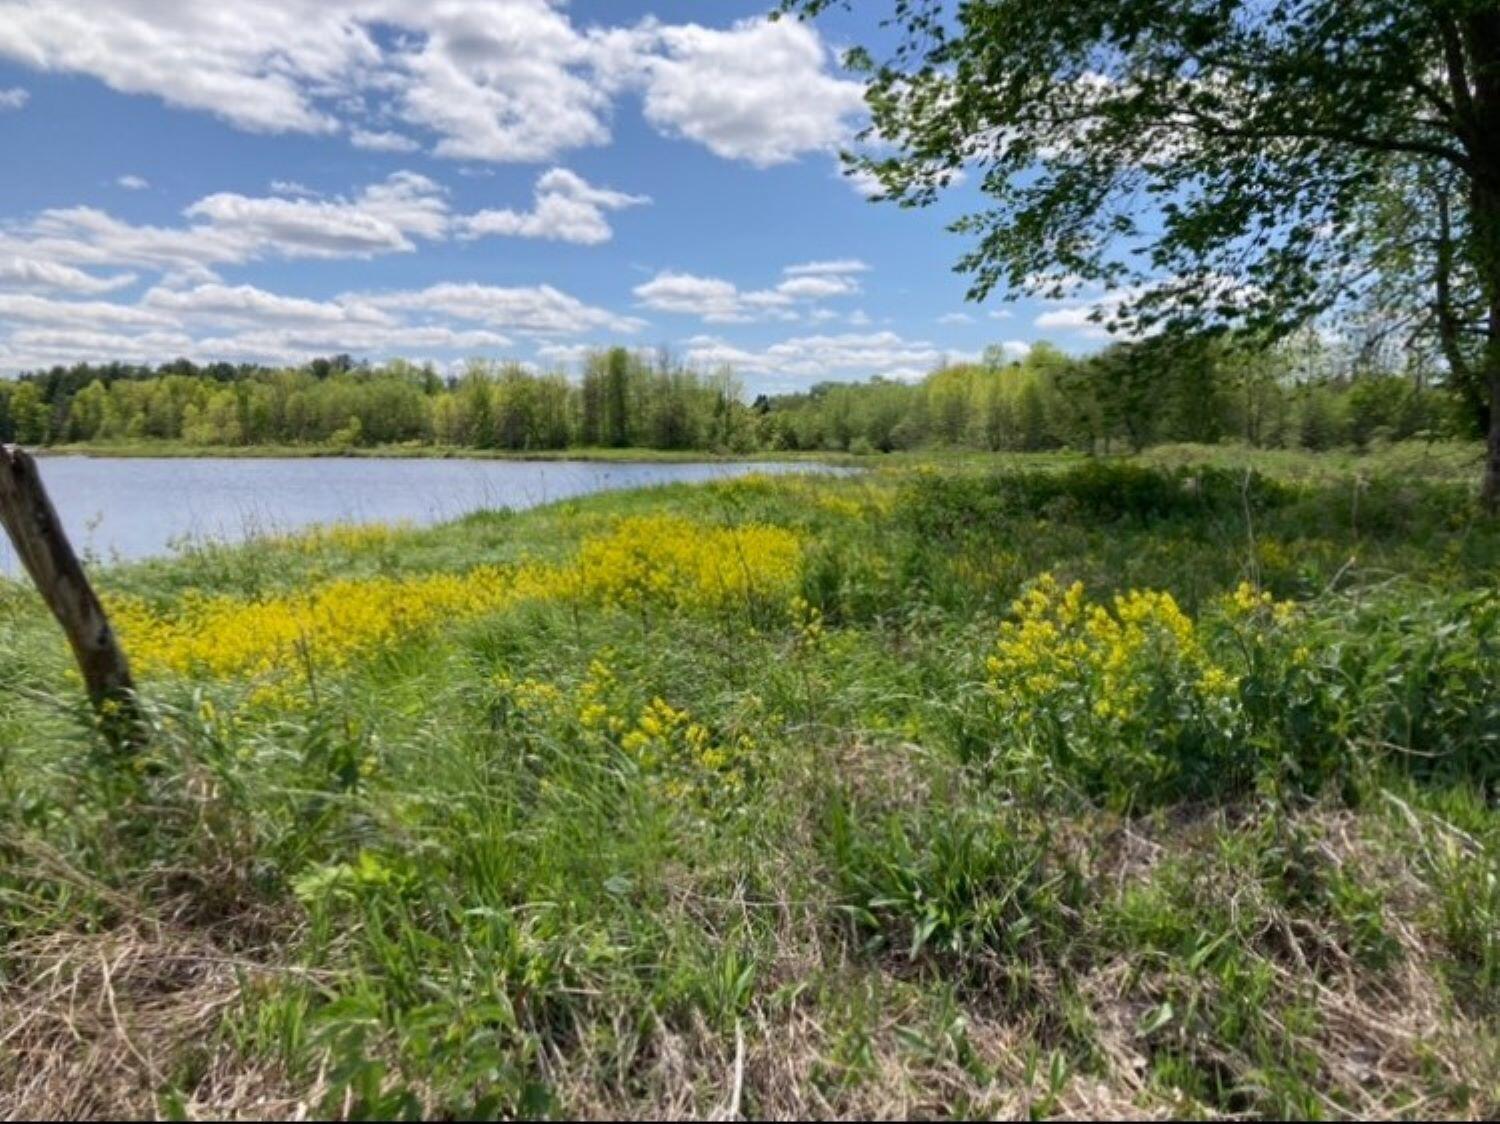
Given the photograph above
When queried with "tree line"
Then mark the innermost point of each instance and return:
(1304, 393)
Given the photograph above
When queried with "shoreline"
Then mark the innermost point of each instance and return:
(172, 451)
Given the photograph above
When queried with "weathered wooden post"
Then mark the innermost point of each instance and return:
(29, 517)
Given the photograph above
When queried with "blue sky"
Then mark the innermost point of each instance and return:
(497, 178)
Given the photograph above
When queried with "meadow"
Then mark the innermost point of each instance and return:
(977, 785)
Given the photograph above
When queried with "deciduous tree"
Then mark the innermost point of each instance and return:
(1216, 161)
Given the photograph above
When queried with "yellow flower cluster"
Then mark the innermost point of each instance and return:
(666, 561)
(1060, 645)
(324, 626)
(1247, 601)
(675, 750)
(674, 562)
(665, 740)
(532, 697)
(592, 698)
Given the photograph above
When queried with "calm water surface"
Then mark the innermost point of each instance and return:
(125, 509)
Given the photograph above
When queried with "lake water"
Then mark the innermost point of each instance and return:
(129, 508)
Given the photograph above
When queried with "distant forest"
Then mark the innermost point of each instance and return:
(1306, 393)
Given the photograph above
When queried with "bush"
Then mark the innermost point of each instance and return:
(948, 505)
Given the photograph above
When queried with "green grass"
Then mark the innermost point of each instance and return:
(437, 881)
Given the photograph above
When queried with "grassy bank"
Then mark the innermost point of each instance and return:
(972, 788)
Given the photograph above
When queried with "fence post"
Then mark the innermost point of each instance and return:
(29, 517)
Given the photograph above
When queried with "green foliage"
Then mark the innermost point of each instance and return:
(1216, 164)
(623, 401)
(1271, 135)
(873, 846)
(1126, 398)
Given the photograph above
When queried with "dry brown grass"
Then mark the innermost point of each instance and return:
(94, 1026)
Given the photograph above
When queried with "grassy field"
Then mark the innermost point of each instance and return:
(970, 788)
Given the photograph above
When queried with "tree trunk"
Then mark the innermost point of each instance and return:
(1482, 40)
(28, 515)
(1490, 488)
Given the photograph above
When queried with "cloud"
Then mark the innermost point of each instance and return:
(376, 140)
(758, 92)
(32, 348)
(711, 351)
(718, 301)
(528, 310)
(261, 70)
(14, 98)
(567, 209)
(32, 309)
(814, 358)
(956, 318)
(872, 353)
(865, 183)
(88, 236)
(816, 288)
(248, 305)
(215, 321)
(1000, 314)
(297, 344)
(133, 183)
(227, 228)
(502, 82)
(1078, 318)
(712, 298)
(492, 80)
(191, 310)
(841, 267)
(1083, 308)
(566, 354)
(18, 272)
(381, 219)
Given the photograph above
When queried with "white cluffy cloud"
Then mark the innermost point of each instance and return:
(531, 310)
(718, 301)
(216, 321)
(246, 305)
(383, 218)
(567, 209)
(392, 216)
(228, 228)
(133, 183)
(813, 358)
(758, 91)
(491, 80)
(382, 140)
(13, 98)
(18, 272)
(189, 309)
